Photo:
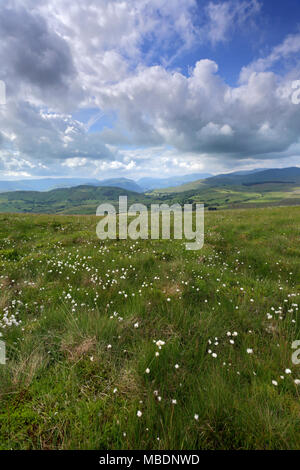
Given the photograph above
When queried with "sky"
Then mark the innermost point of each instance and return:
(133, 88)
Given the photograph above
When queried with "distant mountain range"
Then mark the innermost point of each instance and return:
(240, 178)
(44, 184)
(147, 184)
(238, 189)
(140, 186)
(274, 175)
(47, 184)
(123, 183)
(156, 183)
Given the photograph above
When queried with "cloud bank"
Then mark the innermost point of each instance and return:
(64, 58)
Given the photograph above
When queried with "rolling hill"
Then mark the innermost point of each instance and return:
(266, 187)
(275, 176)
(78, 200)
(285, 175)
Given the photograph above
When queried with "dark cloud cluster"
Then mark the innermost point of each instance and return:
(35, 61)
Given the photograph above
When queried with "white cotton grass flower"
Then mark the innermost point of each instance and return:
(250, 351)
(136, 325)
(109, 346)
(196, 417)
(297, 381)
(214, 355)
(174, 401)
(139, 413)
(115, 390)
(176, 366)
(288, 371)
(275, 383)
(147, 370)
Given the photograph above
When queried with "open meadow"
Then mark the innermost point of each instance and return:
(142, 344)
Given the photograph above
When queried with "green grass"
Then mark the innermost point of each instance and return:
(232, 196)
(72, 296)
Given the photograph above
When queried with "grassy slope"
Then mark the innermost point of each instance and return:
(194, 185)
(76, 295)
(235, 195)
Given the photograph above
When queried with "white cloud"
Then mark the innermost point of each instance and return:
(225, 17)
(201, 113)
(288, 48)
(43, 136)
(66, 55)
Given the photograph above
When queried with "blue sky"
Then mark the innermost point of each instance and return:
(135, 88)
(275, 21)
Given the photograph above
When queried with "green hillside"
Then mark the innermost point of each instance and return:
(269, 187)
(223, 191)
(77, 200)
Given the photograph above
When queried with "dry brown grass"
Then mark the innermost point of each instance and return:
(74, 352)
(173, 288)
(24, 371)
(4, 299)
(128, 383)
